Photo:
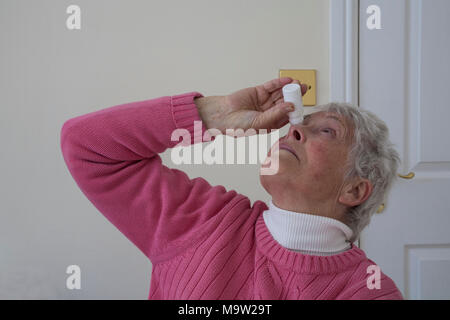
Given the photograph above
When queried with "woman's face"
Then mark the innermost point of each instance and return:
(312, 158)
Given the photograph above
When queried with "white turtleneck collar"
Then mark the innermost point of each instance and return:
(307, 233)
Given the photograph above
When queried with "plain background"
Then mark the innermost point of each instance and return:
(125, 51)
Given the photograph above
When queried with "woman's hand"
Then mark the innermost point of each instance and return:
(260, 107)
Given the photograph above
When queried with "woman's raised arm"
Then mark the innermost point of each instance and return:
(112, 154)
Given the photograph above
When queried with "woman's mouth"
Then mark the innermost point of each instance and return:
(285, 147)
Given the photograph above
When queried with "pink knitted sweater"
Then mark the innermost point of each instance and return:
(204, 242)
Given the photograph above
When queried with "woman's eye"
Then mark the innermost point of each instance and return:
(328, 130)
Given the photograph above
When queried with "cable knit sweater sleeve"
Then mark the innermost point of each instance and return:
(112, 154)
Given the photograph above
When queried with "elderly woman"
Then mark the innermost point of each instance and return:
(205, 242)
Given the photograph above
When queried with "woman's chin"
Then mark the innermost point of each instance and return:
(278, 163)
(273, 182)
(275, 168)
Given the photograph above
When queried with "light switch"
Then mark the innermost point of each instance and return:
(307, 77)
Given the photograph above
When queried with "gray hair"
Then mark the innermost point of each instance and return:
(372, 156)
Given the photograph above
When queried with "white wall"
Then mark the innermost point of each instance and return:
(125, 51)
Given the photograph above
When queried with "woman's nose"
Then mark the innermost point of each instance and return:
(296, 133)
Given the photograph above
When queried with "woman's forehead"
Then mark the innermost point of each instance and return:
(326, 114)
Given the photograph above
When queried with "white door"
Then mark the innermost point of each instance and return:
(404, 72)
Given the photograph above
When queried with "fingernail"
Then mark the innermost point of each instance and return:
(290, 108)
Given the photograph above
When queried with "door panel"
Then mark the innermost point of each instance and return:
(404, 70)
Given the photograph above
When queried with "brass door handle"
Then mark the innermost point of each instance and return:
(408, 176)
(380, 208)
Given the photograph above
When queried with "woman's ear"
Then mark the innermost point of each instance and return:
(356, 192)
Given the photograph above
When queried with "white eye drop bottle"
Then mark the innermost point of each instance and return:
(293, 93)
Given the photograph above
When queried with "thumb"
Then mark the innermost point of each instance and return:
(272, 117)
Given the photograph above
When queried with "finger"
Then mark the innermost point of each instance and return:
(271, 118)
(280, 124)
(303, 86)
(271, 100)
(272, 103)
(270, 91)
(275, 84)
(281, 100)
(277, 96)
(283, 122)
